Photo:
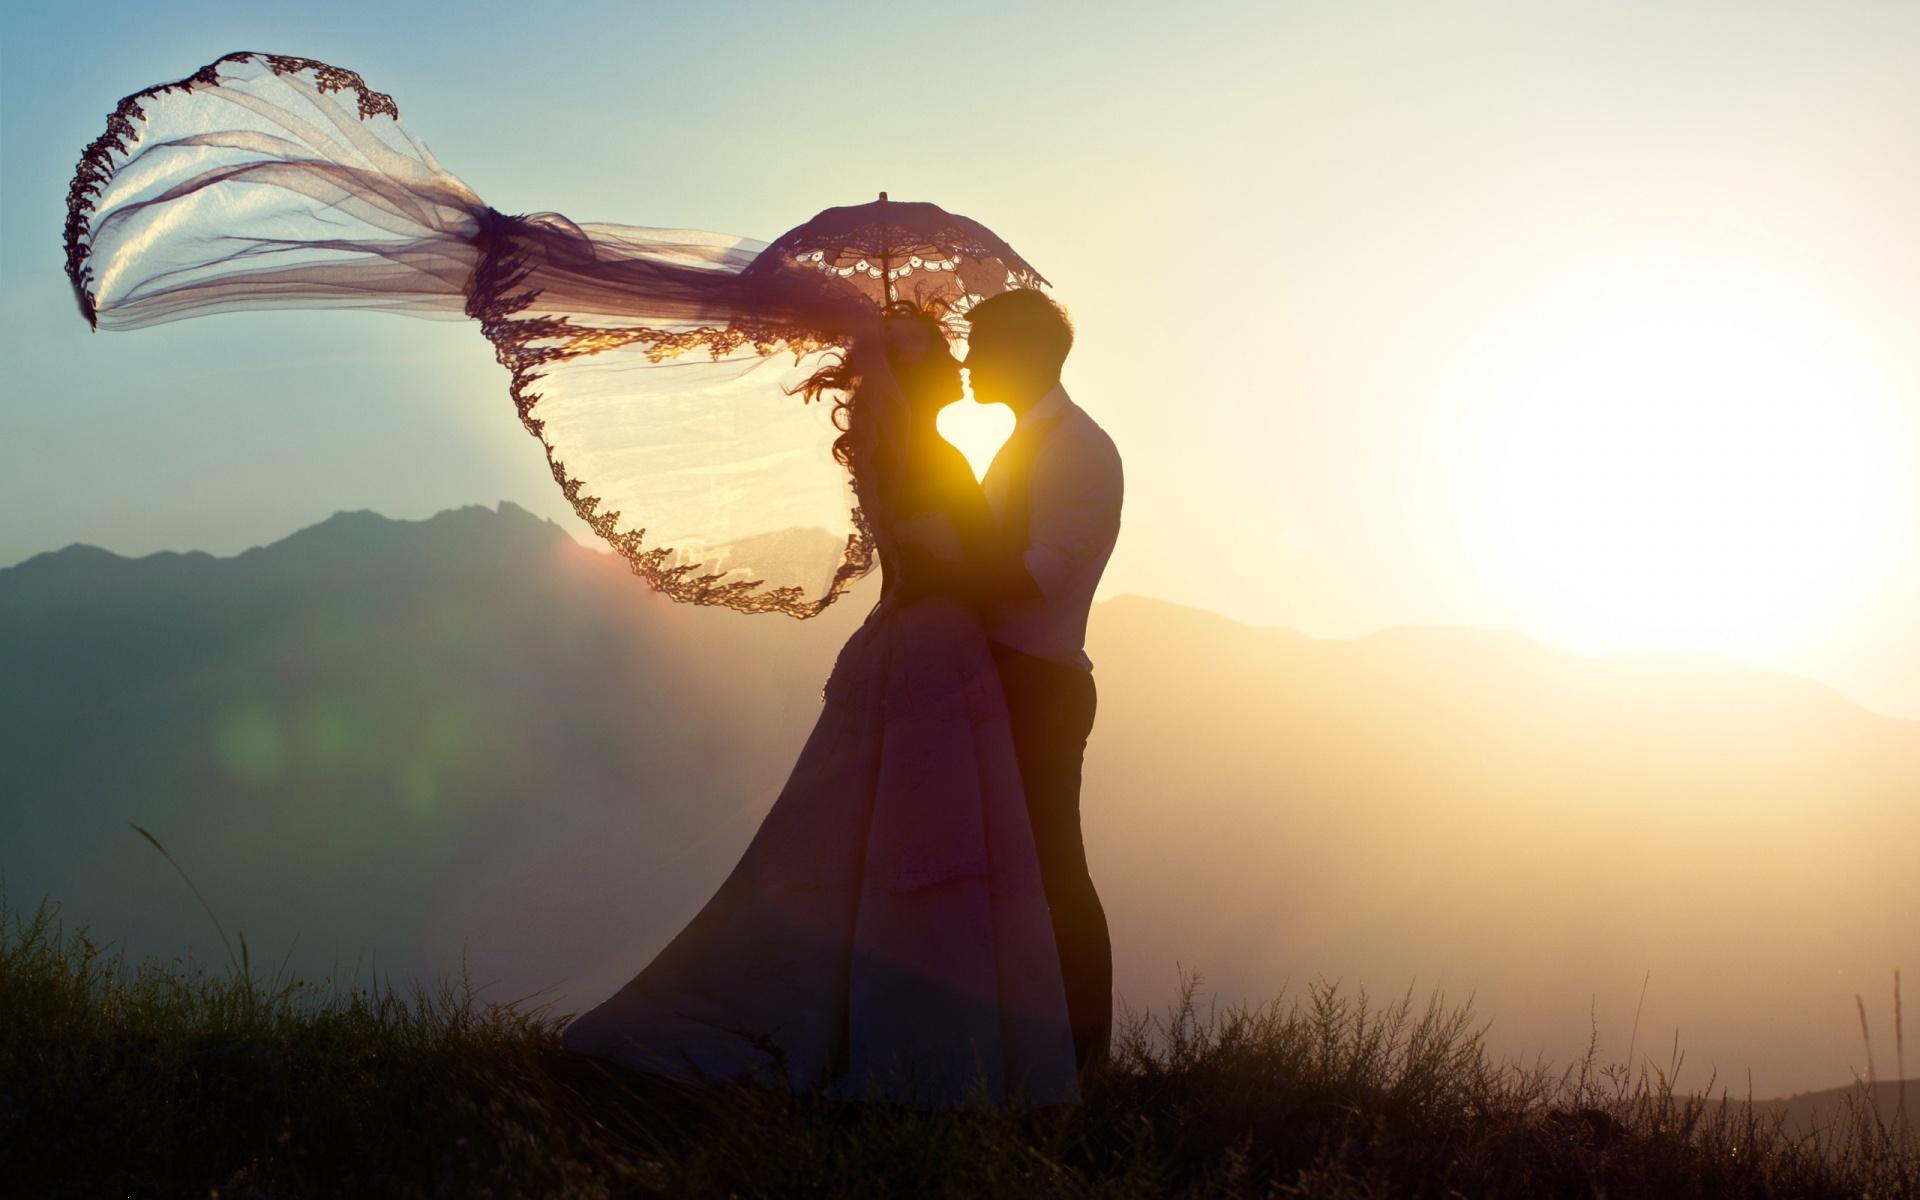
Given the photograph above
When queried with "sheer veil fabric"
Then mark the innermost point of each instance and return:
(887, 927)
(651, 363)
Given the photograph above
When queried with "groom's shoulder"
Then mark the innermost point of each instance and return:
(1094, 440)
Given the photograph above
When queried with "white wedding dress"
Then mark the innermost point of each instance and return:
(886, 934)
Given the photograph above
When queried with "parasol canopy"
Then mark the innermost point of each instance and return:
(893, 250)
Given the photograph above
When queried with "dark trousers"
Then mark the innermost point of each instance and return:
(1052, 710)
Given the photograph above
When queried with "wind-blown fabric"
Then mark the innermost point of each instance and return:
(652, 364)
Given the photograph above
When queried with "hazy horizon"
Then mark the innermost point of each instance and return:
(857, 600)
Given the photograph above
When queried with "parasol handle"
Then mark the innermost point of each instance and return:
(886, 278)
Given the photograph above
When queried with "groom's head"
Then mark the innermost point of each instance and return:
(1016, 342)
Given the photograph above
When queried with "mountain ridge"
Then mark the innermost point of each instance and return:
(340, 528)
(341, 522)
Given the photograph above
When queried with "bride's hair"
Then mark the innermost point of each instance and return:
(841, 374)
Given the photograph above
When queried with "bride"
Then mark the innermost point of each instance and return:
(886, 933)
(887, 930)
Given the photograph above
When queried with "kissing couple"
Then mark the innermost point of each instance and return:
(914, 919)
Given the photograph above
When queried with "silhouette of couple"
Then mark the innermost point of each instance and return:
(914, 919)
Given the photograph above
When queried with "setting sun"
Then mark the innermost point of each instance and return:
(1697, 468)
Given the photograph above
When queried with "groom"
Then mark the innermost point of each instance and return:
(1055, 491)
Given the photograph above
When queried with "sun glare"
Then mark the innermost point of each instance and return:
(1705, 472)
(976, 430)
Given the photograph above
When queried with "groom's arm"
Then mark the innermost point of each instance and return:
(989, 570)
(982, 578)
(1074, 513)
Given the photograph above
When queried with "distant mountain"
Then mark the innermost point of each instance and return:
(1826, 1114)
(1471, 810)
(411, 738)
(373, 731)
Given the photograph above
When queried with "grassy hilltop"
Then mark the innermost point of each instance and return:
(169, 1079)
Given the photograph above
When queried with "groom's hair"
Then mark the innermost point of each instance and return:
(1031, 320)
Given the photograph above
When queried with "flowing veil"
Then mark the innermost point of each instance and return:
(654, 365)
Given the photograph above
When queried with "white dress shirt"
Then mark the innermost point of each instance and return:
(1073, 519)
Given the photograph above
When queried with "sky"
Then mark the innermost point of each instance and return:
(1592, 321)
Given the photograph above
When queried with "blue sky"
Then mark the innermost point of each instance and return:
(1314, 251)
